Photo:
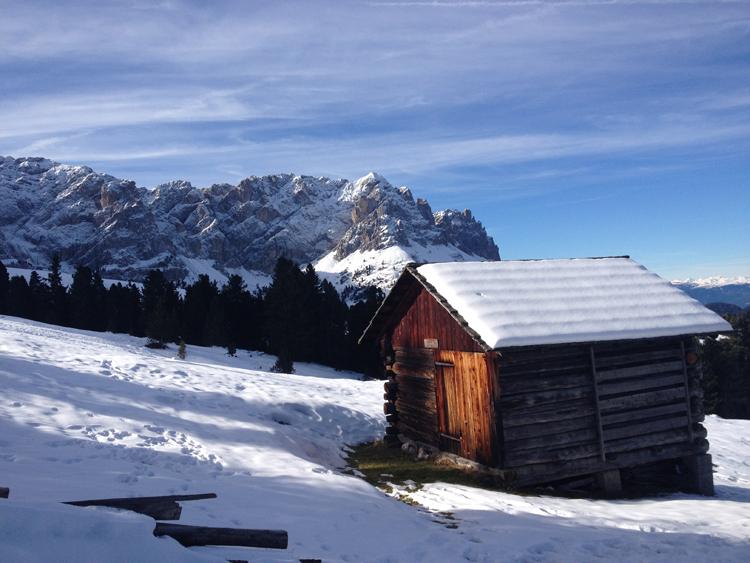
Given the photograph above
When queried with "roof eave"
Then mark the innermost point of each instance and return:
(592, 342)
(447, 306)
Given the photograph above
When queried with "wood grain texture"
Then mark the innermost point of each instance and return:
(426, 318)
(467, 403)
(647, 397)
(204, 535)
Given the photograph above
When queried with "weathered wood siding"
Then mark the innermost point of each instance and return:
(579, 409)
(468, 406)
(426, 318)
(450, 406)
(416, 407)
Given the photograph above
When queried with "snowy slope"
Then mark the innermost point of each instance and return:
(101, 221)
(86, 415)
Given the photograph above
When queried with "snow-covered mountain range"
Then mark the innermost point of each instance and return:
(357, 233)
(717, 289)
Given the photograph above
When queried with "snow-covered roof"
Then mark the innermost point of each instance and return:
(534, 302)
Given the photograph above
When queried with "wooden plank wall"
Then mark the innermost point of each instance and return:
(426, 318)
(553, 427)
(547, 405)
(416, 408)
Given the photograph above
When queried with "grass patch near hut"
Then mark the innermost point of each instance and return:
(381, 465)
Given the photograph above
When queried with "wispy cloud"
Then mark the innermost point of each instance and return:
(363, 85)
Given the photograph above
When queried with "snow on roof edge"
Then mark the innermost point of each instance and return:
(489, 337)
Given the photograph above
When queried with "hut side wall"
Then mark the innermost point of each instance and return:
(466, 388)
(580, 409)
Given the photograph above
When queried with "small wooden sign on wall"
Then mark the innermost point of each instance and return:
(431, 343)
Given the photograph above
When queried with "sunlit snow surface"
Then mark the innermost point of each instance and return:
(87, 415)
(534, 302)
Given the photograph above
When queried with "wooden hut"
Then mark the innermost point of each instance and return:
(548, 371)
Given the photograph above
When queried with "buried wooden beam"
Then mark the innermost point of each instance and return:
(158, 507)
(203, 535)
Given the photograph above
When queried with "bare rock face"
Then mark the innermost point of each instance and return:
(466, 233)
(101, 221)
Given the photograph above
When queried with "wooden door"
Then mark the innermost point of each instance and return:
(448, 395)
(467, 407)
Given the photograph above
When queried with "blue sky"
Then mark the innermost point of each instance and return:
(570, 128)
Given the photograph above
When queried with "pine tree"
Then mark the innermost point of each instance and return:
(135, 314)
(726, 370)
(85, 310)
(364, 357)
(58, 309)
(20, 303)
(161, 304)
(308, 315)
(214, 332)
(283, 364)
(331, 343)
(162, 326)
(198, 297)
(4, 282)
(181, 350)
(282, 309)
(40, 297)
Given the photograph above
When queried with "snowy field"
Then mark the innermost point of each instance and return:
(87, 415)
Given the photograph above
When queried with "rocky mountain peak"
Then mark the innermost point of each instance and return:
(109, 223)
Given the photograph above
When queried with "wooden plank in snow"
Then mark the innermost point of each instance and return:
(203, 535)
(158, 507)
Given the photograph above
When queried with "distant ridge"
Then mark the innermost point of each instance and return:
(356, 233)
(734, 291)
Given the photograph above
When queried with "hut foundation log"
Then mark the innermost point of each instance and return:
(610, 482)
(4, 492)
(202, 535)
(700, 477)
(392, 441)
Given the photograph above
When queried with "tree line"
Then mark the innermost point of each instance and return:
(726, 369)
(298, 317)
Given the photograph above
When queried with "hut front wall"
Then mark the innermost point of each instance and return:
(464, 393)
(427, 319)
(580, 409)
(416, 408)
(444, 391)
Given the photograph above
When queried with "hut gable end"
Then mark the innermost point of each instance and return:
(426, 323)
